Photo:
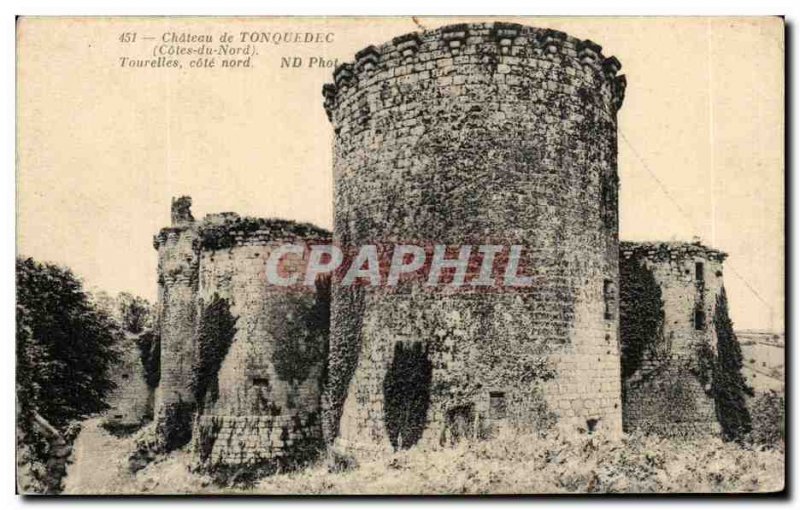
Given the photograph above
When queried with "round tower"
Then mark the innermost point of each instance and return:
(261, 348)
(476, 134)
(177, 288)
(671, 307)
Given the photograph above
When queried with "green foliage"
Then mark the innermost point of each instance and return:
(301, 329)
(149, 344)
(206, 437)
(146, 446)
(768, 415)
(120, 430)
(134, 312)
(729, 386)
(342, 359)
(340, 462)
(105, 302)
(215, 331)
(507, 464)
(514, 366)
(406, 394)
(703, 369)
(641, 314)
(65, 346)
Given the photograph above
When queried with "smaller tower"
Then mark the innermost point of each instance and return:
(261, 348)
(242, 359)
(177, 293)
(669, 295)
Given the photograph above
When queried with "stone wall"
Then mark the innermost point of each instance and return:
(668, 348)
(131, 402)
(478, 133)
(176, 310)
(264, 403)
(242, 360)
(668, 398)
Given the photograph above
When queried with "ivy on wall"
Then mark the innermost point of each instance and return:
(173, 428)
(301, 328)
(149, 344)
(407, 394)
(641, 314)
(214, 336)
(344, 348)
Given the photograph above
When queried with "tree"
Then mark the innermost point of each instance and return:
(134, 312)
(730, 387)
(65, 346)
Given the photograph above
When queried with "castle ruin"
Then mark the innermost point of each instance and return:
(473, 134)
(241, 361)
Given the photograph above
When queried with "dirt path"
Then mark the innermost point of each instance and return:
(98, 462)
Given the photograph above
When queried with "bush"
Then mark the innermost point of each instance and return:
(767, 412)
(729, 386)
(339, 462)
(146, 448)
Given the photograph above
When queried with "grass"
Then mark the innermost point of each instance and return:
(505, 465)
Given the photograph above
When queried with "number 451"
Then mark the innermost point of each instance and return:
(127, 37)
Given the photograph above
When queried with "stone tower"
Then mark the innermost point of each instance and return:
(176, 310)
(262, 347)
(669, 296)
(490, 133)
(242, 360)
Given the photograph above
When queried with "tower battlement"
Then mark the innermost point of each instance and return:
(665, 250)
(486, 52)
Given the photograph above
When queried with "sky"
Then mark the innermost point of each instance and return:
(101, 149)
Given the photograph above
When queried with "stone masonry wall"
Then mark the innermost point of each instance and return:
(264, 404)
(131, 402)
(667, 388)
(481, 133)
(242, 361)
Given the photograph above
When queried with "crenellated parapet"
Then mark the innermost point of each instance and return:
(665, 250)
(431, 56)
(236, 231)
